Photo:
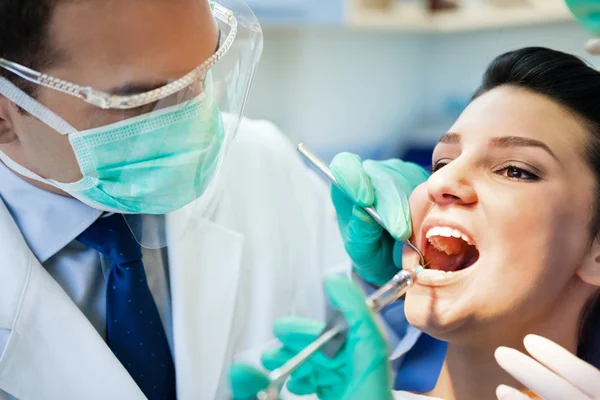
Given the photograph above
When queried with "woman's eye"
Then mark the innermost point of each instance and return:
(516, 173)
(436, 166)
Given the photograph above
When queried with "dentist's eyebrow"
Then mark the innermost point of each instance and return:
(519, 141)
(131, 89)
(450, 138)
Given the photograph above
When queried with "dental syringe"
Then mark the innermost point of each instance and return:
(336, 327)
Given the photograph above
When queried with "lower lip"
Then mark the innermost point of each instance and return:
(435, 278)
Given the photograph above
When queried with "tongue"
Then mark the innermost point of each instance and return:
(441, 261)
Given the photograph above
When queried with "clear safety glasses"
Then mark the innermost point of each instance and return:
(105, 100)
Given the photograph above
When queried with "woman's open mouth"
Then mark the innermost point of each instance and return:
(448, 249)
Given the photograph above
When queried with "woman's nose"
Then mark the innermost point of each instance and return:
(451, 185)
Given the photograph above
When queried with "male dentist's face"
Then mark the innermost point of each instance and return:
(117, 46)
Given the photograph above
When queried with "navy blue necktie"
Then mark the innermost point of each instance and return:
(135, 332)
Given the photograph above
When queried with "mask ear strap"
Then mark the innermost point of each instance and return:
(22, 170)
(35, 108)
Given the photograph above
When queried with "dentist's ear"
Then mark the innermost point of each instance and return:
(589, 271)
(7, 132)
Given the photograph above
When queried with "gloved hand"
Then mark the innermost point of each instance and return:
(386, 185)
(556, 375)
(359, 371)
(587, 14)
(246, 382)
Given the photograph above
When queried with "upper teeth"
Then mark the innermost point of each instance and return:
(447, 232)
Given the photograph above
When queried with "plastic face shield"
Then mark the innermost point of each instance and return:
(215, 91)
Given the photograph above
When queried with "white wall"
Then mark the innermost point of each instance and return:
(338, 89)
(458, 61)
(357, 91)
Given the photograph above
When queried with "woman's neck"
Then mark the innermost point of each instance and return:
(471, 371)
(470, 374)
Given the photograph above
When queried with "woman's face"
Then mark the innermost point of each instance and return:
(510, 178)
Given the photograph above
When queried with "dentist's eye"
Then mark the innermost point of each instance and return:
(518, 174)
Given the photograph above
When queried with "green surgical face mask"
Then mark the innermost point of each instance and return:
(152, 164)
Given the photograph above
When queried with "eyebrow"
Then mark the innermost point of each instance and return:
(450, 138)
(519, 141)
(130, 89)
(503, 142)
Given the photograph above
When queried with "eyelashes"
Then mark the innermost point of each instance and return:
(510, 170)
(514, 172)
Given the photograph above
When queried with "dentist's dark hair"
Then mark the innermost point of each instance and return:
(569, 81)
(24, 36)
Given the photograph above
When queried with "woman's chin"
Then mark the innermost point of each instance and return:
(436, 316)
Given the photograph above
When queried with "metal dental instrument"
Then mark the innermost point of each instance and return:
(336, 327)
(324, 168)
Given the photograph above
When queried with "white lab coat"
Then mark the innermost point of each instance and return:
(261, 255)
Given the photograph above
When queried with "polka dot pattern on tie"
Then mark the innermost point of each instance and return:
(139, 344)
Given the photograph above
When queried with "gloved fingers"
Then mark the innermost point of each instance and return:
(296, 332)
(355, 224)
(576, 371)
(369, 247)
(392, 191)
(343, 205)
(335, 392)
(504, 392)
(275, 358)
(535, 376)
(349, 173)
(412, 174)
(331, 387)
(592, 46)
(362, 229)
(246, 381)
(318, 363)
(324, 378)
(347, 297)
(373, 382)
(586, 12)
(365, 339)
(301, 387)
(366, 347)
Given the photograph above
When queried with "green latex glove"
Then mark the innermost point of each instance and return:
(246, 382)
(386, 185)
(587, 13)
(360, 370)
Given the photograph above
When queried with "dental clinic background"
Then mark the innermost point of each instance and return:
(385, 78)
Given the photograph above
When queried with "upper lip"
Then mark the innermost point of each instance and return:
(431, 222)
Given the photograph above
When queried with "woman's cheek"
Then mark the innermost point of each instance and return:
(419, 205)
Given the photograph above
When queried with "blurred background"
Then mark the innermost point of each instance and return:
(385, 78)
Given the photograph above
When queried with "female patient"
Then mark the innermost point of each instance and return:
(518, 175)
(509, 223)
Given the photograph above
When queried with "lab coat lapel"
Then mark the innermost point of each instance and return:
(204, 269)
(53, 352)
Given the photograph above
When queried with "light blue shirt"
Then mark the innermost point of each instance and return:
(50, 223)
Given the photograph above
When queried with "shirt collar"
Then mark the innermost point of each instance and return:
(47, 221)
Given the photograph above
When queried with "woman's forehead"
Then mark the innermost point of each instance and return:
(510, 111)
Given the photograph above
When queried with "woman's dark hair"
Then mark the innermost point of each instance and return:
(575, 85)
